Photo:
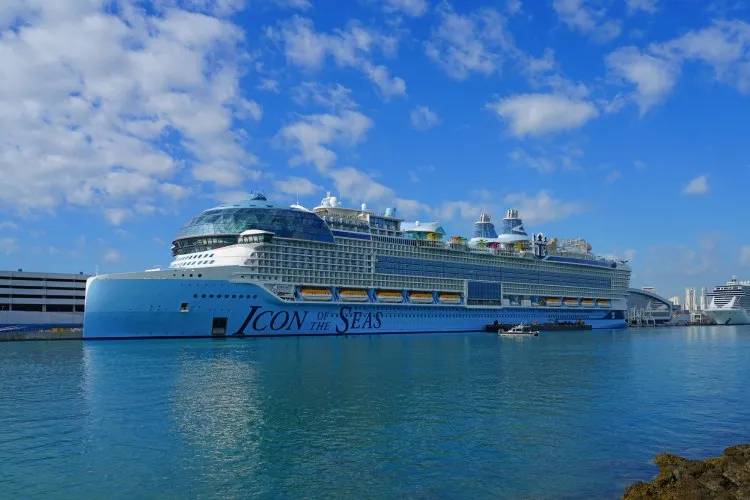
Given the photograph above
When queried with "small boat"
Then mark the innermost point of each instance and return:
(603, 303)
(449, 298)
(571, 302)
(519, 331)
(316, 294)
(389, 296)
(421, 297)
(587, 302)
(353, 295)
(553, 302)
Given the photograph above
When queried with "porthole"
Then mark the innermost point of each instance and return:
(254, 296)
(211, 296)
(226, 296)
(200, 275)
(242, 296)
(203, 296)
(195, 295)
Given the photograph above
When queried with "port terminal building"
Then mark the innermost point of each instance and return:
(30, 300)
(646, 307)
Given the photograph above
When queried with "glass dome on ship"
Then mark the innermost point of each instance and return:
(222, 225)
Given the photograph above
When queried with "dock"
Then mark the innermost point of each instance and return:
(51, 334)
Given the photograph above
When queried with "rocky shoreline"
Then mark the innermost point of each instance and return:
(724, 477)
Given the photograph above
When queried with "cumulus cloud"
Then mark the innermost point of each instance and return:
(96, 104)
(353, 47)
(423, 118)
(653, 77)
(537, 114)
(583, 16)
(112, 256)
(9, 245)
(334, 96)
(297, 186)
(648, 6)
(542, 207)
(312, 136)
(412, 8)
(470, 43)
(697, 186)
(724, 46)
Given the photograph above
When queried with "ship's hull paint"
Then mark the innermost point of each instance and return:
(729, 316)
(124, 307)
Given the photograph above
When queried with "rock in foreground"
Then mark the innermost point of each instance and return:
(725, 477)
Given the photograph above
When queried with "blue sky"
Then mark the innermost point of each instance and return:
(620, 121)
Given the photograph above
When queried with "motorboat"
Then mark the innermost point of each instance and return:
(518, 330)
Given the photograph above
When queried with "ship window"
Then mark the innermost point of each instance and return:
(184, 307)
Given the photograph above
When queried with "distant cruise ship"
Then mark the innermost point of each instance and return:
(730, 303)
(252, 268)
(41, 300)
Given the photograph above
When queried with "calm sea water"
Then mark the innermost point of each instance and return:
(564, 415)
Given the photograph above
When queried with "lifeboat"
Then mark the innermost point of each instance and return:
(587, 302)
(603, 303)
(389, 296)
(316, 294)
(553, 302)
(353, 295)
(421, 297)
(571, 302)
(449, 298)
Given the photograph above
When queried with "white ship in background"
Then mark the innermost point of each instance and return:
(730, 304)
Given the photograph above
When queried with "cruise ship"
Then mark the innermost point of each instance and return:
(253, 268)
(730, 304)
(32, 300)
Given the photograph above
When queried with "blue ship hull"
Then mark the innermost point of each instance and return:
(158, 308)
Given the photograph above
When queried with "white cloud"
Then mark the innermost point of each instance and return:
(540, 163)
(582, 16)
(350, 48)
(537, 114)
(416, 174)
(297, 186)
(358, 186)
(653, 77)
(423, 118)
(542, 207)
(613, 177)
(466, 44)
(745, 255)
(293, 4)
(724, 46)
(112, 256)
(269, 85)
(9, 245)
(312, 136)
(639, 165)
(117, 216)
(697, 186)
(6, 224)
(412, 8)
(89, 93)
(649, 6)
(334, 96)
